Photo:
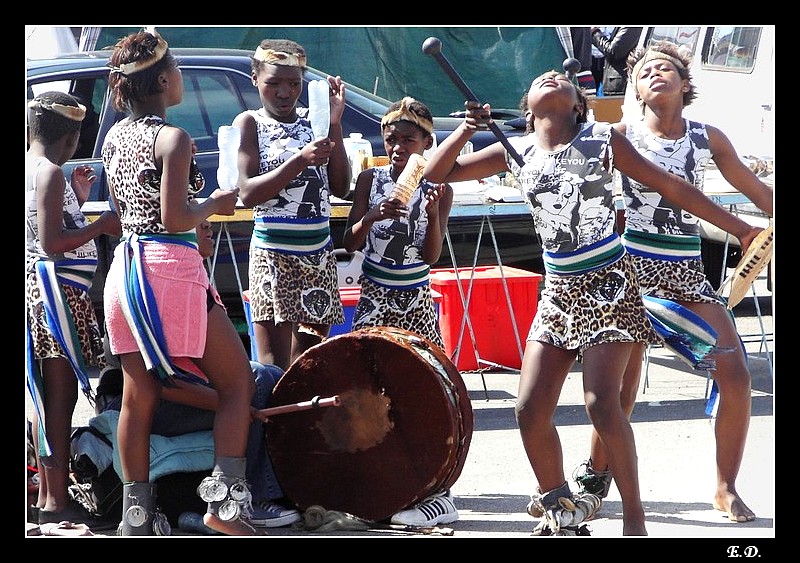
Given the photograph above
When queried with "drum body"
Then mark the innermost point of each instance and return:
(402, 431)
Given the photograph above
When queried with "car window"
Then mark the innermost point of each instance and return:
(211, 98)
(91, 92)
(731, 48)
(682, 35)
(725, 47)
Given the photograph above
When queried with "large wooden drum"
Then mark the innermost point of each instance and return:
(402, 431)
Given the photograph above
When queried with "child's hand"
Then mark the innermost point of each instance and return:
(336, 98)
(111, 223)
(746, 239)
(81, 181)
(391, 208)
(317, 152)
(477, 117)
(433, 195)
(225, 201)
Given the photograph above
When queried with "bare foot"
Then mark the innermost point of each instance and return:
(634, 530)
(236, 527)
(734, 506)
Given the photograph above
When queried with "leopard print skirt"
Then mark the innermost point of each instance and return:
(294, 288)
(83, 315)
(681, 280)
(409, 309)
(579, 311)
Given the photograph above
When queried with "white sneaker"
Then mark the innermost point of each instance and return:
(436, 509)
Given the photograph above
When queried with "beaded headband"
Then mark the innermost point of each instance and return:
(272, 57)
(404, 113)
(127, 69)
(75, 113)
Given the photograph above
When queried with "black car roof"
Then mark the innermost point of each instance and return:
(97, 59)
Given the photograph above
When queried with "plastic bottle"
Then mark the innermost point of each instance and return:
(193, 522)
(358, 151)
(228, 139)
(319, 107)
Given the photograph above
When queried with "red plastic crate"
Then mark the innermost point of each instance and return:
(488, 313)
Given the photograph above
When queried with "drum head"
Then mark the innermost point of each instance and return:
(402, 431)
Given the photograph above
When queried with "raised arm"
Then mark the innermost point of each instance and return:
(445, 165)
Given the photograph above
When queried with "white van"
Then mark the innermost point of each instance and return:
(733, 68)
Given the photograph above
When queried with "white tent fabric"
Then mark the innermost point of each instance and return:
(43, 41)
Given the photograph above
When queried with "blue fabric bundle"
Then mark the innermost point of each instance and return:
(684, 332)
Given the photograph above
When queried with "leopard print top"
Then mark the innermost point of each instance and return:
(129, 159)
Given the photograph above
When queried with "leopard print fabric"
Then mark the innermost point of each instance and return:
(409, 309)
(83, 315)
(683, 280)
(577, 312)
(300, 288)
(129, 160)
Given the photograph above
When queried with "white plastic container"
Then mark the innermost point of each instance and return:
(319, 108)
(358, 151)
(228, 139)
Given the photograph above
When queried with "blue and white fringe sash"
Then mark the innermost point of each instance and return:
(50, 275)
(141, 310)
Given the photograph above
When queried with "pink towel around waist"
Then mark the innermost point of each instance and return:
(178, 281)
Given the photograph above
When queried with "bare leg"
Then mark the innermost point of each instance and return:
(274, 343)
(627, 397)
(307, 335)
(60, 398)
(227, 365)
(544, 370)
(733, 412)
(140, 394)
(603, 367)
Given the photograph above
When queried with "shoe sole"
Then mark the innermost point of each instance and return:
(276, 522)
(443, 519)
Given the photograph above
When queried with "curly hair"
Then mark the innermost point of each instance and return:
(49, 126)
(138, 86)
(672, 53)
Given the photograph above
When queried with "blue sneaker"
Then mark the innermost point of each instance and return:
(269, 514)
(436, 509)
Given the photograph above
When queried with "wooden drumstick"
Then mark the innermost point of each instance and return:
(433, 47)
(314, 403)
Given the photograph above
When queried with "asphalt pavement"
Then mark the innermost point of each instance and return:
(675, 443)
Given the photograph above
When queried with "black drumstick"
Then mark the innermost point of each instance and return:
(433, 47)
(571, 67)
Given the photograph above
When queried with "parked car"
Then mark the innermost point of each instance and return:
(217, 87)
